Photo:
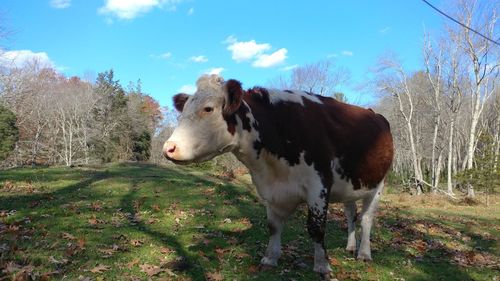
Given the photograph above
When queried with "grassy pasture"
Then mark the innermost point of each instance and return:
(147, 222)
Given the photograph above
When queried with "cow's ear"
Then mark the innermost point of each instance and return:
(234, 94)
(179, 101)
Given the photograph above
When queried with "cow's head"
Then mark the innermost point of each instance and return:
(202, 132)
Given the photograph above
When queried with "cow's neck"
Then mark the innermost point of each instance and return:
(247, 135)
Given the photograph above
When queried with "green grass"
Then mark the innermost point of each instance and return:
(141, 221)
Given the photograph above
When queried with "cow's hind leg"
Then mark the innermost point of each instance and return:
(316, 224)
(275, 220)
(350, 214)
(370, 205)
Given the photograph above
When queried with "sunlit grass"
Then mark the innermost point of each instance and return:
(140, 221)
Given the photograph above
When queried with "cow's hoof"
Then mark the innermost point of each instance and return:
(265, 267)
(265, 261)
(351, 249)
(325, 276)
(364, 257)
(322, 269)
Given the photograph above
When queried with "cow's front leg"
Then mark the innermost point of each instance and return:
(275, 219)
(350, 214)
(316, 224)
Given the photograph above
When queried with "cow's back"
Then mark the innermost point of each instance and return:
(363, 139)
(324, 130)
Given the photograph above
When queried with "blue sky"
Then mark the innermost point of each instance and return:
(168, 44)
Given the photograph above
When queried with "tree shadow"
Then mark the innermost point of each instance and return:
(236, 200)
(428, 245)
(191, 265)
(387, 255)
(17, 201)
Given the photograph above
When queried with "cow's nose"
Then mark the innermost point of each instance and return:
(169, 149)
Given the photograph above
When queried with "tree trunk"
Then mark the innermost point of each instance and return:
(416, 169)
(450, 156)
(472, 141)
(433, 157)
(70, 160)
(438, 170)
(470, 191)
(496, 146)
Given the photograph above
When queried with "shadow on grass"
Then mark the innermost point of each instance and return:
(433, 263)
(432, 246)
(179, 185)
(191, 265)
(18, 202)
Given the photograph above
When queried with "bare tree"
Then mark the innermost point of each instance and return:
(393, 80)
(433, 60)
(453, 101)
(483, 61)
(322, 77)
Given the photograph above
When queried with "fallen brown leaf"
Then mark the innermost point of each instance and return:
(11, 267)
(68, 236)
(152, 221)
(132, 263)
(94, 221)
(136, 242)
(96, 206)
(54, 261)
(214, 276)
(240, 256)
(100, 269)
(220, 252)
(334, 262)
(166, 251)
(151, 270)
(107, 252)
(253, 269)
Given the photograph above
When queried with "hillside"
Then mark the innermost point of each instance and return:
(140, 221)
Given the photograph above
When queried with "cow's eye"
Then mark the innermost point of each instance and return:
(208, 109)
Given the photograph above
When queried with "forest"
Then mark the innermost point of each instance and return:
(87, 194)
(444, 116)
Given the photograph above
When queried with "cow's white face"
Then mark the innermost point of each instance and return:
(202, 132)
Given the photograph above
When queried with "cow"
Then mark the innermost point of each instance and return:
(299, 147)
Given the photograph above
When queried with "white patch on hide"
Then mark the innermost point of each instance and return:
(277, 96)
(283, 185)
(342, 189)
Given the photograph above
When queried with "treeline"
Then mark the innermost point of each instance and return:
(70, 121)
(445, 118)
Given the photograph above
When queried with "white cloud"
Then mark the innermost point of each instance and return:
(215, 70)
(273, 59)
(347, 53)
(198, 59)
(384, 30)
(289, 67)
(130, 9)
(20, 58)
(164, 56)
(60, 4)
(190, 11)
(332, 55)
(256, 52)
(187, 89)
(243, 51)
(230, 40)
